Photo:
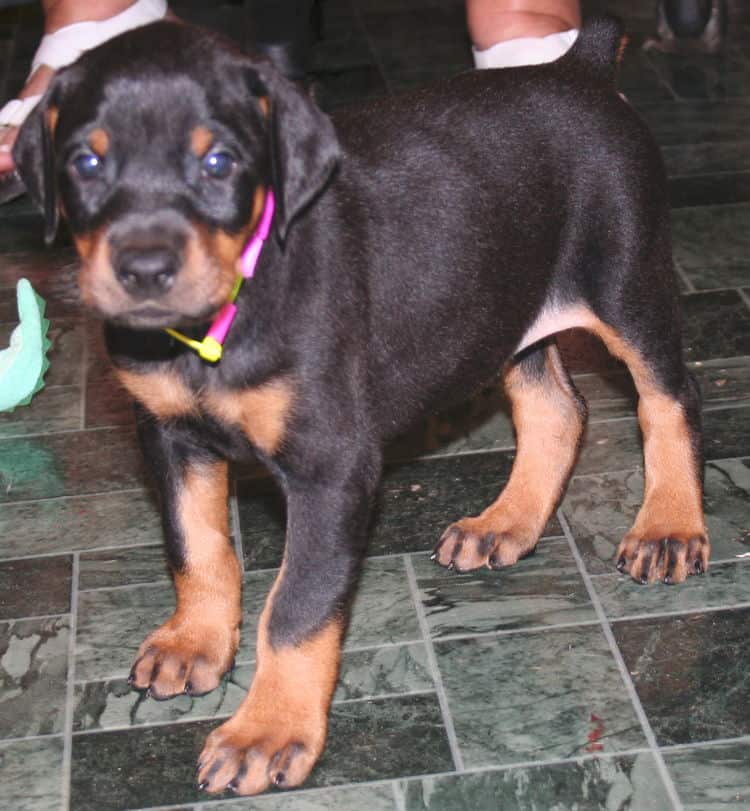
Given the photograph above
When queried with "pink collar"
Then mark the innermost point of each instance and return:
(212, 346)
(251, 254)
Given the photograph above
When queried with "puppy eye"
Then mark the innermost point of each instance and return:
(218, 165)
(88, 166)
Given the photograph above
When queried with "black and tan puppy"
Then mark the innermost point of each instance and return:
(421, 247)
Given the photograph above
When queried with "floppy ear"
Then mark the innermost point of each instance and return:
(34, 156)
(304, 147)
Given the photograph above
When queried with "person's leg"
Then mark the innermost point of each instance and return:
(58, 14)
(553, 23)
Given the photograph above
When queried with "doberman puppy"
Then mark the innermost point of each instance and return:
(420, 247)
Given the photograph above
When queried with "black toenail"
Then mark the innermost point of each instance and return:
(621, 564)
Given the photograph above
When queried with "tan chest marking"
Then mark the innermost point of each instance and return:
(162, 393)
(262, 413)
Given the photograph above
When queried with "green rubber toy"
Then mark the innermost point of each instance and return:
(24, 363)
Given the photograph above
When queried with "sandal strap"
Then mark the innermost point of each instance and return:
(65, 45)
(14, 112)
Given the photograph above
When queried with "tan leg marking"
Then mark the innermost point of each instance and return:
(262, 413)
(668, 538)
(548, 423)
(196, 646)
(278, 733)
(164, 394)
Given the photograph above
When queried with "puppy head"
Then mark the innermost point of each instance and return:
(158, 148)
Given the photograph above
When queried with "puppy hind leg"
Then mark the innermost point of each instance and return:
(668, 540)
(548, 415)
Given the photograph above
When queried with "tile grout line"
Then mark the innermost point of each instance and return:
(624, 673)
(682, 274)
(679, 747)
(707, 609)
(244, 662)
(71, 496)
(70, 689)
(399, 800)
(450, 729)
(225, 714)
(70, 552)
(498, 633)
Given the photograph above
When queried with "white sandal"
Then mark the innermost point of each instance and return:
(65, 45)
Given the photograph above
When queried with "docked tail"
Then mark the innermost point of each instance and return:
(599, 47)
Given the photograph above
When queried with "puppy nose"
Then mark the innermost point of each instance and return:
(146, 273)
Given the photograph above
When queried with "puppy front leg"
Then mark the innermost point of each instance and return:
(196, 646)
(279, 731)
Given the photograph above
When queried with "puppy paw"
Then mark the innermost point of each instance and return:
(247, 755)
(472, 543)
(183, 657)
(670, 559)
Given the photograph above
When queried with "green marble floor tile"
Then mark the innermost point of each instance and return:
(626, 783)
(600, 509)
(724, 585)
(81, 522)
(369, 740)
(123, 567)
(35, 587)
(712, 778)
(545, 589)
(536, 696)
(108, 404)
(706, 157)
(416, 502)
(365, 798)
(51, 411)
(712, 236)
(717, 325)
(33, 676)
(69, 464)
(717, 276)
(697, 121)
(368, 674)
(112, 623)
(419, 499)
(383, 611)
(723, 382)
(32, 774)
(613, 396)
(480, 424)
(726, 433)
(709, 190)
(608, 446)
(65, 355)
(692, 673)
